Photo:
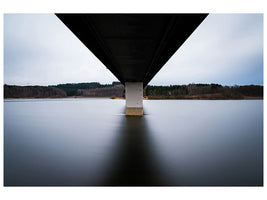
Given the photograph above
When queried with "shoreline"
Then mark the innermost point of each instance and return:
(144, 98)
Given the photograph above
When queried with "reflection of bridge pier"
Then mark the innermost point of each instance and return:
(134, 162)
(134, 47)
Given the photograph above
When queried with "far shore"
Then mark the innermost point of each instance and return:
(145, 98)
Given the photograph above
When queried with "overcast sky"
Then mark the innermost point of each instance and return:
(226, 49)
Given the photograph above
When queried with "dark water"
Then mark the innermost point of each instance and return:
(90, 142)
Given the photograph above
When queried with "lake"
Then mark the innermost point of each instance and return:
(90, 142)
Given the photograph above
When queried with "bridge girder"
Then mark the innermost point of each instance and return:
(134, 47)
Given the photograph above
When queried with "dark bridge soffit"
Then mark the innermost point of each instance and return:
(134, 47)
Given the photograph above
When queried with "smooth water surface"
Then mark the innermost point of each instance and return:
(89, 141)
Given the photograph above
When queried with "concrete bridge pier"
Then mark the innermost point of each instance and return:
(134, 98)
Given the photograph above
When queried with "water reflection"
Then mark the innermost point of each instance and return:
(133, 163)
(189, 143)
(208, 143)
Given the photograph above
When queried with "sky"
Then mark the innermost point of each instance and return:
(226, 49)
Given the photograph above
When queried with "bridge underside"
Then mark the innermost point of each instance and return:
(134, 47)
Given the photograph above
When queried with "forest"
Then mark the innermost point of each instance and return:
(13, 91)
(116, 90)
(203, 91)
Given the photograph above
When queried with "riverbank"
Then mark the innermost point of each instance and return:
(117, 91)
(146, 98)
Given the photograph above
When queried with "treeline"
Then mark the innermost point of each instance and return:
(89, 89)
(92, 89)
(12, 91)
(116, 89)
(203, 91)
(110, 91)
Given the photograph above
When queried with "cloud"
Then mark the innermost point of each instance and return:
(225, 48)
(40, 49)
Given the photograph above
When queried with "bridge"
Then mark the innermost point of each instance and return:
(134, 47)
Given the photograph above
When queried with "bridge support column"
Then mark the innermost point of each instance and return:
(134, 98)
